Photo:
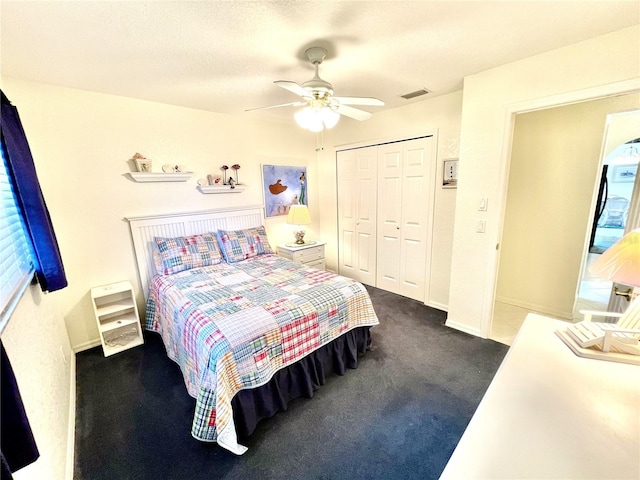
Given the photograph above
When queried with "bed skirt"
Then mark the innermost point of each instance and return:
(300, 379)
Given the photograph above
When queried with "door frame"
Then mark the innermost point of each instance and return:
(614, 304)
(510, 112)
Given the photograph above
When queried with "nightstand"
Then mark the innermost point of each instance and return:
(310, 254)
(116, 313)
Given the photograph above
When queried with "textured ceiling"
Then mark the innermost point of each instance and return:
(223, 56)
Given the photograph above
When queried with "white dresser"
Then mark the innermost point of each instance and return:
(310, 254)
(549, 414)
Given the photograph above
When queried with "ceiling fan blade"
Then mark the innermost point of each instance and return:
(354, 113)
(360, 101)
(293, 87)
(293, 104)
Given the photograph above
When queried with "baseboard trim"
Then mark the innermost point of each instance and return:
(86, 346)
(71, 433)
(463, 328)
(438, 306)
(541, 309)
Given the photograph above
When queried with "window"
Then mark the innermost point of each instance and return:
(16, 264)
(27, 241)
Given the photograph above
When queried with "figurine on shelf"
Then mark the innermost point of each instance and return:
(169, 168)
(143, 164)
(232, 183)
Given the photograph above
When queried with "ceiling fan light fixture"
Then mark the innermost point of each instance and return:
(317, 118)
(329, 117)
(309, 119)
(321, 109)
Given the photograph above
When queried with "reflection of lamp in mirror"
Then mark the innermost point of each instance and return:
(299, 215)
(620, 263)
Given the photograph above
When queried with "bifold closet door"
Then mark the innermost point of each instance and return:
(357, 198)
(405, 193)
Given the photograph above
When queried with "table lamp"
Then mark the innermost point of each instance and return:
(619, 342)
(620, 263)
(299, 215)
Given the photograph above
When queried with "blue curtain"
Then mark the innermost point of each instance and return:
(49, 270)
(19, 448)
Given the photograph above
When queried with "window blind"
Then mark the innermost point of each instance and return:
(16, 266)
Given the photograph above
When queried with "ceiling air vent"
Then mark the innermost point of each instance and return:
(417, 93)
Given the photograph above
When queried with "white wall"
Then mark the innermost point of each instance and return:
(621, 128)
(38, 348)
(607, 64)
(440, 116)
(81, 142)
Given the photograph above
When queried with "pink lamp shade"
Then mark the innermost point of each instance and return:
(620, 263)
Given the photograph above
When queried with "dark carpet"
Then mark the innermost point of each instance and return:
(399, 415)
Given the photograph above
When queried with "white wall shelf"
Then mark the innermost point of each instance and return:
(221, 189)
(143, 177)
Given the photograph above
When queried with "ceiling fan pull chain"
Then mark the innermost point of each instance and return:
(320, 141)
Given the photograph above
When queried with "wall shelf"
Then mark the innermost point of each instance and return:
(206, 189)
(160, 177)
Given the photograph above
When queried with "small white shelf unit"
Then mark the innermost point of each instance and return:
(206, 189)
(116, 314)
(143, 177)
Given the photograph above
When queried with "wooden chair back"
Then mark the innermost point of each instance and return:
(631, 317)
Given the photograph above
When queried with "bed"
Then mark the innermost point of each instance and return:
(250, 330)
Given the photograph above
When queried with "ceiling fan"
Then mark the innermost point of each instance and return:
(322, 108)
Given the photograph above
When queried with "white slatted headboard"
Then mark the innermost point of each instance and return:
(143, 229)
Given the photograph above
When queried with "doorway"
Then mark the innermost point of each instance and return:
(613, 204)
(554, 169)
(619, 170)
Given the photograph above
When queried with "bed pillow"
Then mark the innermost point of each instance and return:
(238, 245)
(183, 253)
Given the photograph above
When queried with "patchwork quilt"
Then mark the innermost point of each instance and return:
(232, 326)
